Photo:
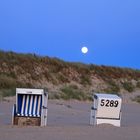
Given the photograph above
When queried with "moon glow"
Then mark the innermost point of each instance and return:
(84, 50)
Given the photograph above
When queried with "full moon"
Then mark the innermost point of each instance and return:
(84, 50)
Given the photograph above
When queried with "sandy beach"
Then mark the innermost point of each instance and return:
(69, 120)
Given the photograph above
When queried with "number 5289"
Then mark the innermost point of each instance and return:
(109, 103)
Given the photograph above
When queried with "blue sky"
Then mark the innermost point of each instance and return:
(59, 28)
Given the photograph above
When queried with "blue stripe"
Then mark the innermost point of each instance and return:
(32, 105)
(29, 105)
(40, 106)
(24, 105)
(37, 106)
(19, 103)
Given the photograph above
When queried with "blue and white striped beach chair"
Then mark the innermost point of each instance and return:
(31, 104)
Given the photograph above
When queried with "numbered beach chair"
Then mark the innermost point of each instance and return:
(106, 109)
(30, 108)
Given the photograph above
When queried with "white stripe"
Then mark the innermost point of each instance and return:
(31, 104)
(22, 107)
(38, 108)
(27, 104)
(35, 99)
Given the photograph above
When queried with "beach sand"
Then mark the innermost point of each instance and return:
(69, 120)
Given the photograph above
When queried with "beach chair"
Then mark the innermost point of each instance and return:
(106, 109)
(30, 108)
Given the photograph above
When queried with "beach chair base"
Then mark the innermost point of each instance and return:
(27, 121)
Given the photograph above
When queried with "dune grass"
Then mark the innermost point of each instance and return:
(29, 70)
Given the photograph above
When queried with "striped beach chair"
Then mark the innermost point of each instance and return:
(30, 108)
